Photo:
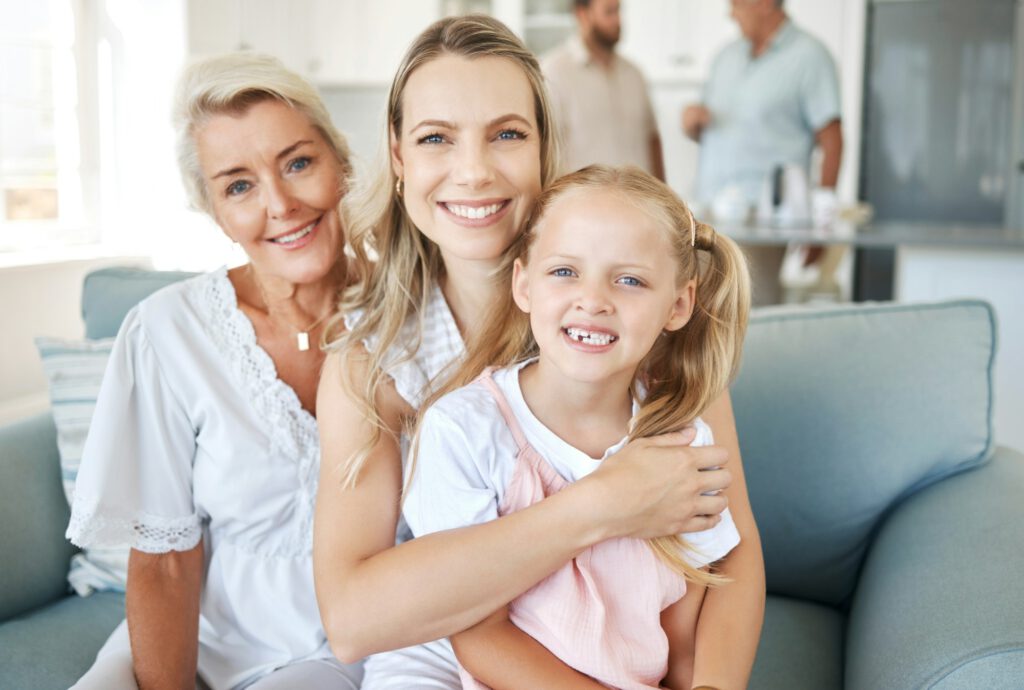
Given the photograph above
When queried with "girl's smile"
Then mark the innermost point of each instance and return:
(600, 286)
(590, 338)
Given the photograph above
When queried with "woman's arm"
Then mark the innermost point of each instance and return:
(729, 626)
(374, 596)
(679, 621)
(162, 601)
(500, 655)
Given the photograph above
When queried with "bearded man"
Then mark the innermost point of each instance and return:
(601, 102)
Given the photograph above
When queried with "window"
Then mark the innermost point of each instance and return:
(45, 163)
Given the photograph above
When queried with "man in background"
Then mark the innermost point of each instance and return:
(771, 97)
(601, 102)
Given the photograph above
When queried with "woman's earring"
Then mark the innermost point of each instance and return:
(398, 187)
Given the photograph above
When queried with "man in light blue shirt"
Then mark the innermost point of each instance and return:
(771, 96)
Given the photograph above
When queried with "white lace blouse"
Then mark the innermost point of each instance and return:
(194, 436)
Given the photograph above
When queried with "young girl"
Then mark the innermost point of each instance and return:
(625, 319)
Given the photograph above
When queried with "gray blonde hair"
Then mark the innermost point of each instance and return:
(398, 284)
(233, 83)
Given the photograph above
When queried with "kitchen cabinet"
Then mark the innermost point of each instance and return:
(281, 29)
(674, 41)
(362, 43)
(327, 41)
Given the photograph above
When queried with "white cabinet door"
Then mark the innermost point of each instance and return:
(360, 42)
(280, 28)
(675, 40)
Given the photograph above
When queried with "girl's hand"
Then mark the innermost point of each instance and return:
(661, 486)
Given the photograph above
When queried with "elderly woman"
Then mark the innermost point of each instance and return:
(203, 452)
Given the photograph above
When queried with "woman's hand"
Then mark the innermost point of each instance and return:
(661, 486)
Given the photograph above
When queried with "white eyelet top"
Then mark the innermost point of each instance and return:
(194, 435)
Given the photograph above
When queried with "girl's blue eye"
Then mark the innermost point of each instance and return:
(300, 164)
(511, 134)
(562, 273)
(237, 187)
(631, 281)
(432, 139)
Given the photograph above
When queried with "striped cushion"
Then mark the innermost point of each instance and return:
(74, 369)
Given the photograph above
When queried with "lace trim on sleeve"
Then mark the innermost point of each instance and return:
(142, 531)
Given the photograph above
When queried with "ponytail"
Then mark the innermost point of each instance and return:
(689, 368)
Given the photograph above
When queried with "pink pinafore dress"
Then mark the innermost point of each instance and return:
(601, 612)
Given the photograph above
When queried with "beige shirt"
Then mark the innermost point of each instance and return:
(604, 115)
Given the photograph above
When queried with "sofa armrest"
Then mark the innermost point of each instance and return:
(33, 517)
(940, 603)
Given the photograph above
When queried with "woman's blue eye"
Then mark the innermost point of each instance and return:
(432, 139)
(237, 187)
(511, 134)
(631, 281)
(300, 164)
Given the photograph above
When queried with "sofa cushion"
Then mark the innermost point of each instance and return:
(939, 602)
(843, 412)
(801, 646)
(74, 369)
(33, 518)
(55, 645)
(108, 294)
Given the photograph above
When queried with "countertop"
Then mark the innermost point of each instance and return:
(878, 234)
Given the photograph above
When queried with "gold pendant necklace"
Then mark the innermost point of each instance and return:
(301, 334)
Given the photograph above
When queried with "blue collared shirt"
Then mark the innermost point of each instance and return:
(765, 110)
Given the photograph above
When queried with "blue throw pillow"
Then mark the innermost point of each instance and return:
(74, 369)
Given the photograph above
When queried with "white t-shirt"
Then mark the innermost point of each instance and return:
(194, 436)
(467, 456)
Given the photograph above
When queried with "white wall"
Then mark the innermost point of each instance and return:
(39, 300)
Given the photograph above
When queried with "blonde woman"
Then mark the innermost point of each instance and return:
(203, 452)
(470, 146)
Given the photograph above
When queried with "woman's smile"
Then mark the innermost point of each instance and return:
(294, 239)
(476, 214)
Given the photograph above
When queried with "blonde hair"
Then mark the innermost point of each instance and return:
(686, 369)
(233, 83)
(407, 264)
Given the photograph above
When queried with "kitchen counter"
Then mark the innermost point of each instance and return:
(878, 235)
(927, 262)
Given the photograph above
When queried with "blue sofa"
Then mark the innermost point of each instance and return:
(893, 530)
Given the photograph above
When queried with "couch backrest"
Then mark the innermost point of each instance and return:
(109, 293)
(33, 510)
(842, 413)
